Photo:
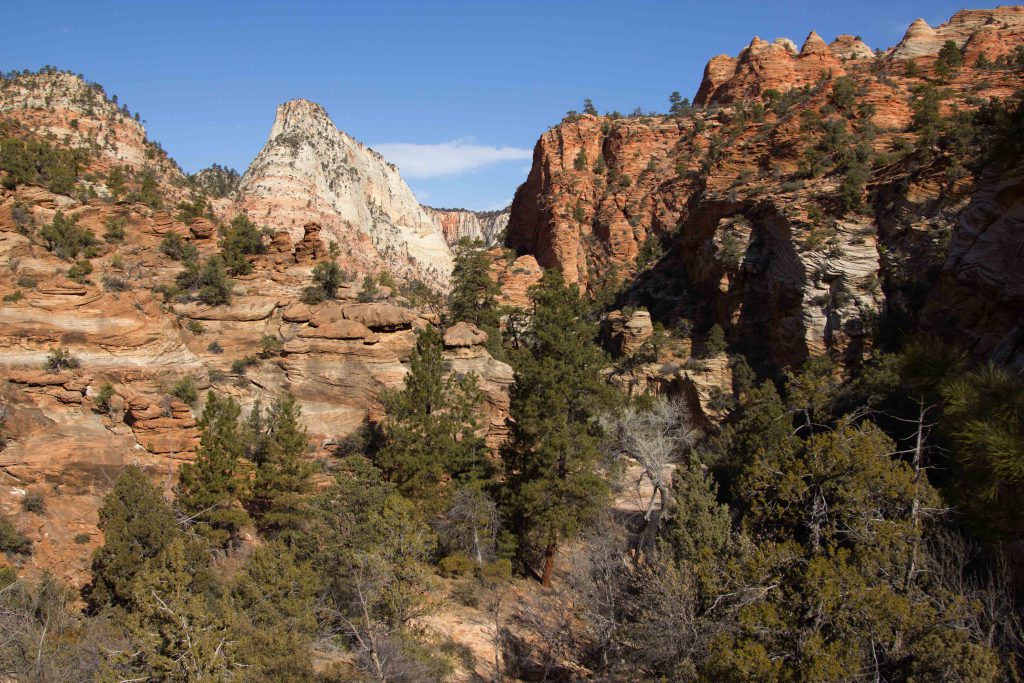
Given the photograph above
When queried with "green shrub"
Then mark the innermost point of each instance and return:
(185, 390)
(208, 283)
(714, 341)
(82, 539)
(60, 359)
(104, 396)
(33, 502)
(240, 365)
(148, 191)
(177, 248)
(12, 540)
(14, 296)
(456, 564)
(37, 162)
(242, 238)
(26, 282)
(369, 292)
(467, 592)
(195, 327)
(112, 283)
(81, 271)
(312, 295)
(270, 346)
(328, 277)
(113, 229)
(215, 347)
(65, 239)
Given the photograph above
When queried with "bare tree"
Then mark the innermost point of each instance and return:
(655, 439)
(471, 525)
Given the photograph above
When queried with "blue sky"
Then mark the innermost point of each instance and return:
(454, 92)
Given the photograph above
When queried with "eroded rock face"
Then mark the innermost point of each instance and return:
(482, 226)
(994, 31)
(766, 66)
(311, 172)
(733, 232)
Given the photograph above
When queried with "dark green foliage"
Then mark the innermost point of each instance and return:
(242, 238)
(328, 277)
(369, 292)
(240, 365)
(217, 181)
(580, 164)
(844, 93)
(926, 121)
(714, 342)
(369, 547)
(851, 188)
(651, 251)
(279, 501)
(33, 502)
(208, 282)
(177, 248)
(270, 346)
(104, 397)
(552, 485)
(80, 272)
(1000, 126)
(273, 600)
(474, 295)
(178, 633)
(114, 229)
(984, 418)
(197, 206)
(148, 190)
(950, 59)
(312, 295)
(37, 162)
(60, 359)
(588, 107)
(185, 390)
(429, 435)
(12, 540)
(64, 238)
(137, 524)
(116, 182)
(678, 105)
(212, 487)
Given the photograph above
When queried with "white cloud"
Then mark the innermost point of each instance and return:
(447, 158)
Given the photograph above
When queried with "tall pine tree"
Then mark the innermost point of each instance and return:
(280, 492)
(212, 487)
(430, 433)
(137, 524)
(553, 487)
(474, 296)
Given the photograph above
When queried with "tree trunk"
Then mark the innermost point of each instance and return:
(549, 563)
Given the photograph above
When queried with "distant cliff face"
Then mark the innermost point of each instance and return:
(309, 171)
(734, 213)
(483, 226)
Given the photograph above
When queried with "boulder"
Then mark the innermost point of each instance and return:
(379, 316)
(464, 335)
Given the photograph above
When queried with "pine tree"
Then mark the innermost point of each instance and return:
(212, 487)
(553, 487)
(272, 602)
(474, 293)
(430, 434)
(279, 496)
(178, 632)
(137, 524)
